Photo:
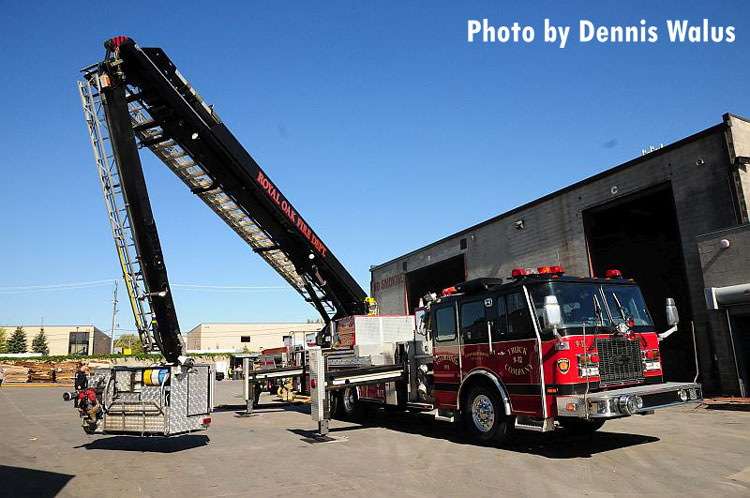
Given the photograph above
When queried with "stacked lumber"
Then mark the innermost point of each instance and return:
(15, 374)
(98, 364)
(65, 372)
(40, 371)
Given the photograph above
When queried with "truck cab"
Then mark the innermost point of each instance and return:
(543, 348)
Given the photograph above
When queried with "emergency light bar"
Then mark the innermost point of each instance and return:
(518, 273)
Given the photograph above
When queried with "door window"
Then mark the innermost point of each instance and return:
(473, 323)
(501, 324)
(446, 323)
(519, 320)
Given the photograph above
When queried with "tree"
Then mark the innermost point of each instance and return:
(17, 341)
(3, 341)
(129, 341)
(39, 344)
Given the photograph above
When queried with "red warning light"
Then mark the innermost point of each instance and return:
(614, 274)
(518, 273)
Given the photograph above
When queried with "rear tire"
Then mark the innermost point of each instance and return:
(350, 407)
(484, 417)
(579, 426)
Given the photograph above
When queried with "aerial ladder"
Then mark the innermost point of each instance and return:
(137, 99)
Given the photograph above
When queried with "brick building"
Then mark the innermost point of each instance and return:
(674, 219)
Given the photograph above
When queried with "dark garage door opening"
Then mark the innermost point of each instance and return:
(638, 235)
(434, 278)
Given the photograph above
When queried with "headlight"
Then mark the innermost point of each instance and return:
(683, 395)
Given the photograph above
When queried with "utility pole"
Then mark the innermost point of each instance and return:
(114, 314)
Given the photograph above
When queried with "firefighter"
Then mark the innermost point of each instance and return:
(81, 382)
(89, 407)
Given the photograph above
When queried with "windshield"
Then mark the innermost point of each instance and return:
(626, 301)
(581, 304)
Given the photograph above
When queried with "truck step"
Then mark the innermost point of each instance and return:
(535, 424)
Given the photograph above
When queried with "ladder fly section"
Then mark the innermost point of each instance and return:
(167, 116)
(150, 134)
(119, 218)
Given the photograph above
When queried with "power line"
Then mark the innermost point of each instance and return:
(54, 287)
(99, 283)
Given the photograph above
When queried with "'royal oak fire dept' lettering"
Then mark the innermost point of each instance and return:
(290, 213)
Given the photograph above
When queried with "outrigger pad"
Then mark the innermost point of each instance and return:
(317, 438)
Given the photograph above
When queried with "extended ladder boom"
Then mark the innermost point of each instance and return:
(148, 103)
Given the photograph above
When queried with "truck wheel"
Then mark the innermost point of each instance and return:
(580, 426)
(350, 407)
(484, 417)
(334, 404)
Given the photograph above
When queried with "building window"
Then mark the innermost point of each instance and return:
(78, 343)
(245, 338)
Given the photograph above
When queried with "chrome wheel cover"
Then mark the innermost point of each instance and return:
(483, 413)
(349, 399)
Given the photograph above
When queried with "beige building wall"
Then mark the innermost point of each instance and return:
(58, 338)
(251, 336)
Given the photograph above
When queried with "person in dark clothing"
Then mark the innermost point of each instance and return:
(81, 381)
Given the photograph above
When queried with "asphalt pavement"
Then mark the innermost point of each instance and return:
(687, 451)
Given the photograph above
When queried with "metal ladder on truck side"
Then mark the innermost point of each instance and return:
(119, 219)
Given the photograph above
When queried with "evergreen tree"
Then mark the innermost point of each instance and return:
(3, 341)
(39, 344)
(17, 341)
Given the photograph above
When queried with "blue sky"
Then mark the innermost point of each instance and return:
(378, 120)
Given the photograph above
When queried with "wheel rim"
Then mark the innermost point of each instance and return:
(349, 400)
(483, 413)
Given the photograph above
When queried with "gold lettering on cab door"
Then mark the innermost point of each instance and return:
(518, 363)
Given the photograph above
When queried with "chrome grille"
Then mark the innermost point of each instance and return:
(619, 361)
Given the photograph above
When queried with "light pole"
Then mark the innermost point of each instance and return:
(114, 314)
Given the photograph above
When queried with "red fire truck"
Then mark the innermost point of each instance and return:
(540, 350)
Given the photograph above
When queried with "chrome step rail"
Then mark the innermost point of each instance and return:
(117, 212)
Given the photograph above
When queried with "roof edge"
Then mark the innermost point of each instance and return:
(667, 148)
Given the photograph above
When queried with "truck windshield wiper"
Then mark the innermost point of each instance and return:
(620, 308)
(598, 310)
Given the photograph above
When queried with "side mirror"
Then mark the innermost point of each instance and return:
(552, 312)
(673, 317)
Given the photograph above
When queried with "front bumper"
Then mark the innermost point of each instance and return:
(629, 400)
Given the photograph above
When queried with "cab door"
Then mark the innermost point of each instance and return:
(476, 320)
(446, 355)
(516, 352)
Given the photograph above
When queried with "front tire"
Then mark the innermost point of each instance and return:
(579, 426)
(484, 417)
